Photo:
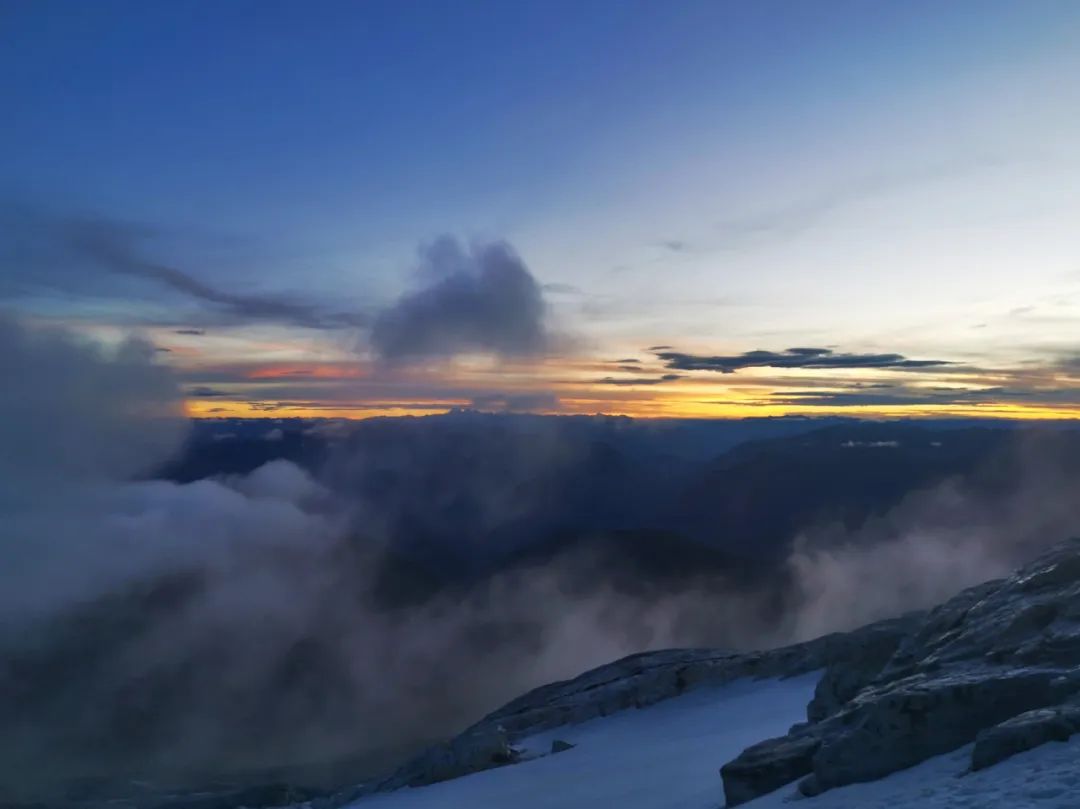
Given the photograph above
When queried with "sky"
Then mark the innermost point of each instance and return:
(709, 209)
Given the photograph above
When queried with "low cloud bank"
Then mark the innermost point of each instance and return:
(155, 627)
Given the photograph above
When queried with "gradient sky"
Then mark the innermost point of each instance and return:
(260, 189)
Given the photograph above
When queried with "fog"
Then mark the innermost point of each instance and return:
(153, 628)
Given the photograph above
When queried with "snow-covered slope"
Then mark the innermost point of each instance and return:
(665, 756)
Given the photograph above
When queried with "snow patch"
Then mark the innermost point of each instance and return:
(665, 756)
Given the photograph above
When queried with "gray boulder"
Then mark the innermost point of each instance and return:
(1024, 732)
(896, 727)
(767, 766)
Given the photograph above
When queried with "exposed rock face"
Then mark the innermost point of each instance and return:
(1024, 732)
(996, 664)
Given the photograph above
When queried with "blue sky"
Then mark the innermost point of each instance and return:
(722, 176)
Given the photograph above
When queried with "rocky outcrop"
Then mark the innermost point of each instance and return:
(769, 765)
(479, 748)
(998, 665)
(1024, 732)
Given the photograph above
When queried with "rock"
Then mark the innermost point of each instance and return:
(897, 727)
(877, 645)
(998, 665)
(480, 748)
(767, 766)
(1024, 732)
(559, 746)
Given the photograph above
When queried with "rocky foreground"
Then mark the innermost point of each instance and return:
(998, 665)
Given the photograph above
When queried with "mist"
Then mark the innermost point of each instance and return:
(185, 630)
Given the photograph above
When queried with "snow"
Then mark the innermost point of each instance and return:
(665, 756)
(668, 756)
(1047, 777)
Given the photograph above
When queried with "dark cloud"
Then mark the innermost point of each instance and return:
(205, 392)
(516, 402)
(675, 245)
(1070, 363)
(658, 348)
(638, 380)
(75, 243)
(791, 358)
(483, 300)
(627, 361)
(871, 396)
(190, 332)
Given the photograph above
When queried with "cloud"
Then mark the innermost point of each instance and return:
(561, 289)
(516, 402)
(791, 358)
(190, 332)
(204, 392)
(900, 395)
(638, 380)
(237, 622)
(75, 243)
(788, 221)
(937, 541)
(81, 410)
(482, 300)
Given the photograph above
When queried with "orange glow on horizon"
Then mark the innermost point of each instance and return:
(309, 371)
(641, 409)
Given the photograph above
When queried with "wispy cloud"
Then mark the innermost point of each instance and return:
(638, 380)
(786, 221)
(102, 244)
